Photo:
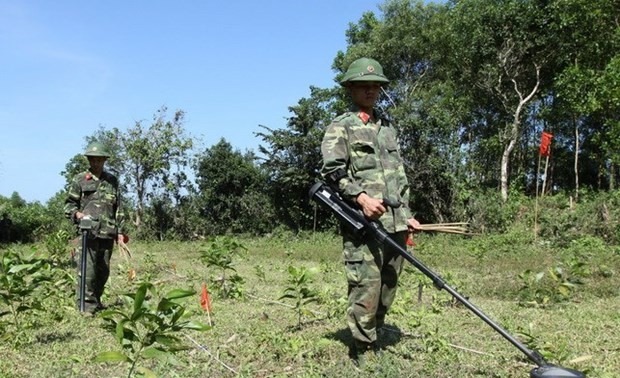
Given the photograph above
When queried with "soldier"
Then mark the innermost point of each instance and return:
(95, 193)
(361, 160)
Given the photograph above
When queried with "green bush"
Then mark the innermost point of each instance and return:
(596, 214)
(487, 211)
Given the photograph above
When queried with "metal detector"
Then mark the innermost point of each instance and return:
(86, 224)
(357, 222)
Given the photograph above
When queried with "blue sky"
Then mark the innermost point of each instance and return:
(69, 67)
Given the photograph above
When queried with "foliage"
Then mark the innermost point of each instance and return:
(158, 220)
(32, 221)
(549, 350)
(219, 254)
(473, 83)
(253, 335)
(299, 290)
(472, 80)
(148, 331)
(292, 156)
(233, 193)
(486, 212)
(546, 287)
(154, 159)
(22, 276)
(57, 246)
(595, 216)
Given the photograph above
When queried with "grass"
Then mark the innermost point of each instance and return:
(257, 336)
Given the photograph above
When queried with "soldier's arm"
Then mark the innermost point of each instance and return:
(335, 170)
(120, 218)
(405, 187)
(72, 202)
(119, 215)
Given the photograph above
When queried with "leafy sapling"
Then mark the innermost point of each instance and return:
(147, 331)
(299, 291)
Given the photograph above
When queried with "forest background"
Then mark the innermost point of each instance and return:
(474, 84)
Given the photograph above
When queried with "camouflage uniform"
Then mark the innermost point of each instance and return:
(98, 198)
(367, 155)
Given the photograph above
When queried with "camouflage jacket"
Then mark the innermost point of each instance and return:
(369, 154)
(97, 197)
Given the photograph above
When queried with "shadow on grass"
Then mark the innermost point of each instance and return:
(388, 336)
(51, 337)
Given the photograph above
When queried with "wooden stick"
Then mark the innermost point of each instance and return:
(204, 348)
(427, 228)
(124, 250)
(455, 229)
(281, 304)
(536, 202)
(447, 224)
(209, 318)
(470, 350)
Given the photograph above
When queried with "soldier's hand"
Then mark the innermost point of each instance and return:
(413, 225)
(371, 207)
(79, 215)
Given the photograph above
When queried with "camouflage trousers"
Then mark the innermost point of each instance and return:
(98, 254)
(372, 274)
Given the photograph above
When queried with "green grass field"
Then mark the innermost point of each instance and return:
(570, 312)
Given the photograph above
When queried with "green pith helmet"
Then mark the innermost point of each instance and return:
(364, 69)
(96, 149)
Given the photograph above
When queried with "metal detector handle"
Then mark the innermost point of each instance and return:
(352, 218)
(391, 203)
(86, 224)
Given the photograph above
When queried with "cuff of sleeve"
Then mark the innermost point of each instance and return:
(351, 191)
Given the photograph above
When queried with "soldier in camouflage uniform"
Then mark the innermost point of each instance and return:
(95, 193)
(361, 159)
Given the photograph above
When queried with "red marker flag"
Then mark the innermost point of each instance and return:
(545, 144)
(205, 299)
(410, 241)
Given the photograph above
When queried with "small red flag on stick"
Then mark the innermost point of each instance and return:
(545, 144)
(410, 241)
(205, 299)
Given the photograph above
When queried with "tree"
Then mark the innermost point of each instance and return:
(154, 159)
(232, 191)
(586, 81)
(292, 156)
(499, 49)
(30, 220)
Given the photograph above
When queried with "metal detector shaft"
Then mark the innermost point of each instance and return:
(347, 214)
(83, 262)
(383, 237)
(86, 224)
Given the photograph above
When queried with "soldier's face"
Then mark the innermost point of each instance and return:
(96, 162)
(365, 93)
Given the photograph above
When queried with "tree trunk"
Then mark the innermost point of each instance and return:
(513, 134)
(506, 159)
(576, 160)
